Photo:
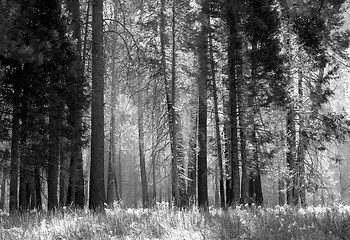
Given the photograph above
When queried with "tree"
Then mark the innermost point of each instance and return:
(202, 106)
(217, 124)
(232, 19)
(97, 192)
(76, 175)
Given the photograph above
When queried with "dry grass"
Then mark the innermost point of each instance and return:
(164, 223)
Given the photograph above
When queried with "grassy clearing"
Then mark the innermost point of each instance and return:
(163, 223)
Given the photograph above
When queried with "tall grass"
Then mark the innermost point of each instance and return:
(163, 223)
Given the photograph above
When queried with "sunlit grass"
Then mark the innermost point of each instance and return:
(164, 223)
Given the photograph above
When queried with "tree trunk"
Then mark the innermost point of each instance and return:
(174, 122)
(112, 185)
(54, 146)
(202, 107)
(244, 153)
(145, 199)
(192, 162)
(242, 116)
(110, 178)
(3, 189)
(64, 178)
(281, 172)
(135, 182)
(52, 176)
(15, 140)
(233, 55)
(37, 179)
(228, 163)
(120, 172)
(301, 146)
(217, 125)
(76, 175)
(97, 190)
(291, 148)
(155, 141)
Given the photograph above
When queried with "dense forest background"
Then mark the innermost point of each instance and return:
(190, 102)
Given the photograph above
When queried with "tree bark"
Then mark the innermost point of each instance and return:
(202, 107)
(145, 199)
(192, 161)
(217, 125)
(174, 116)
(76, 175)
(233, 55)
(97, 190)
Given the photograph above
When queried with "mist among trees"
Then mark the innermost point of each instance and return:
(194, 103)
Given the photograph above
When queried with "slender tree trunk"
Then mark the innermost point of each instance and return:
(112, 187)
(301, 145)
(97, 190)
(155, 142)
(233, 55)
(258, 195)
(242, 116)
(120, 172)
(174, 122)
(154, 188)
(37, 179)
(110, 178)
(145, 199)
(228, 163)
(23, 189)
(192, 162)
(54, 145)
(254, 175)
(217, 124)
(135, 182)
(202, 112)
(291, 148)
(244, 154)
(3, 189)
(15, 140)
(281, 172)
(64, 178)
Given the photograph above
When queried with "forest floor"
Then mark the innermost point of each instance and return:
(163, 223)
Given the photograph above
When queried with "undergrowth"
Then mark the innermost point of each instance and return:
(163, 223)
